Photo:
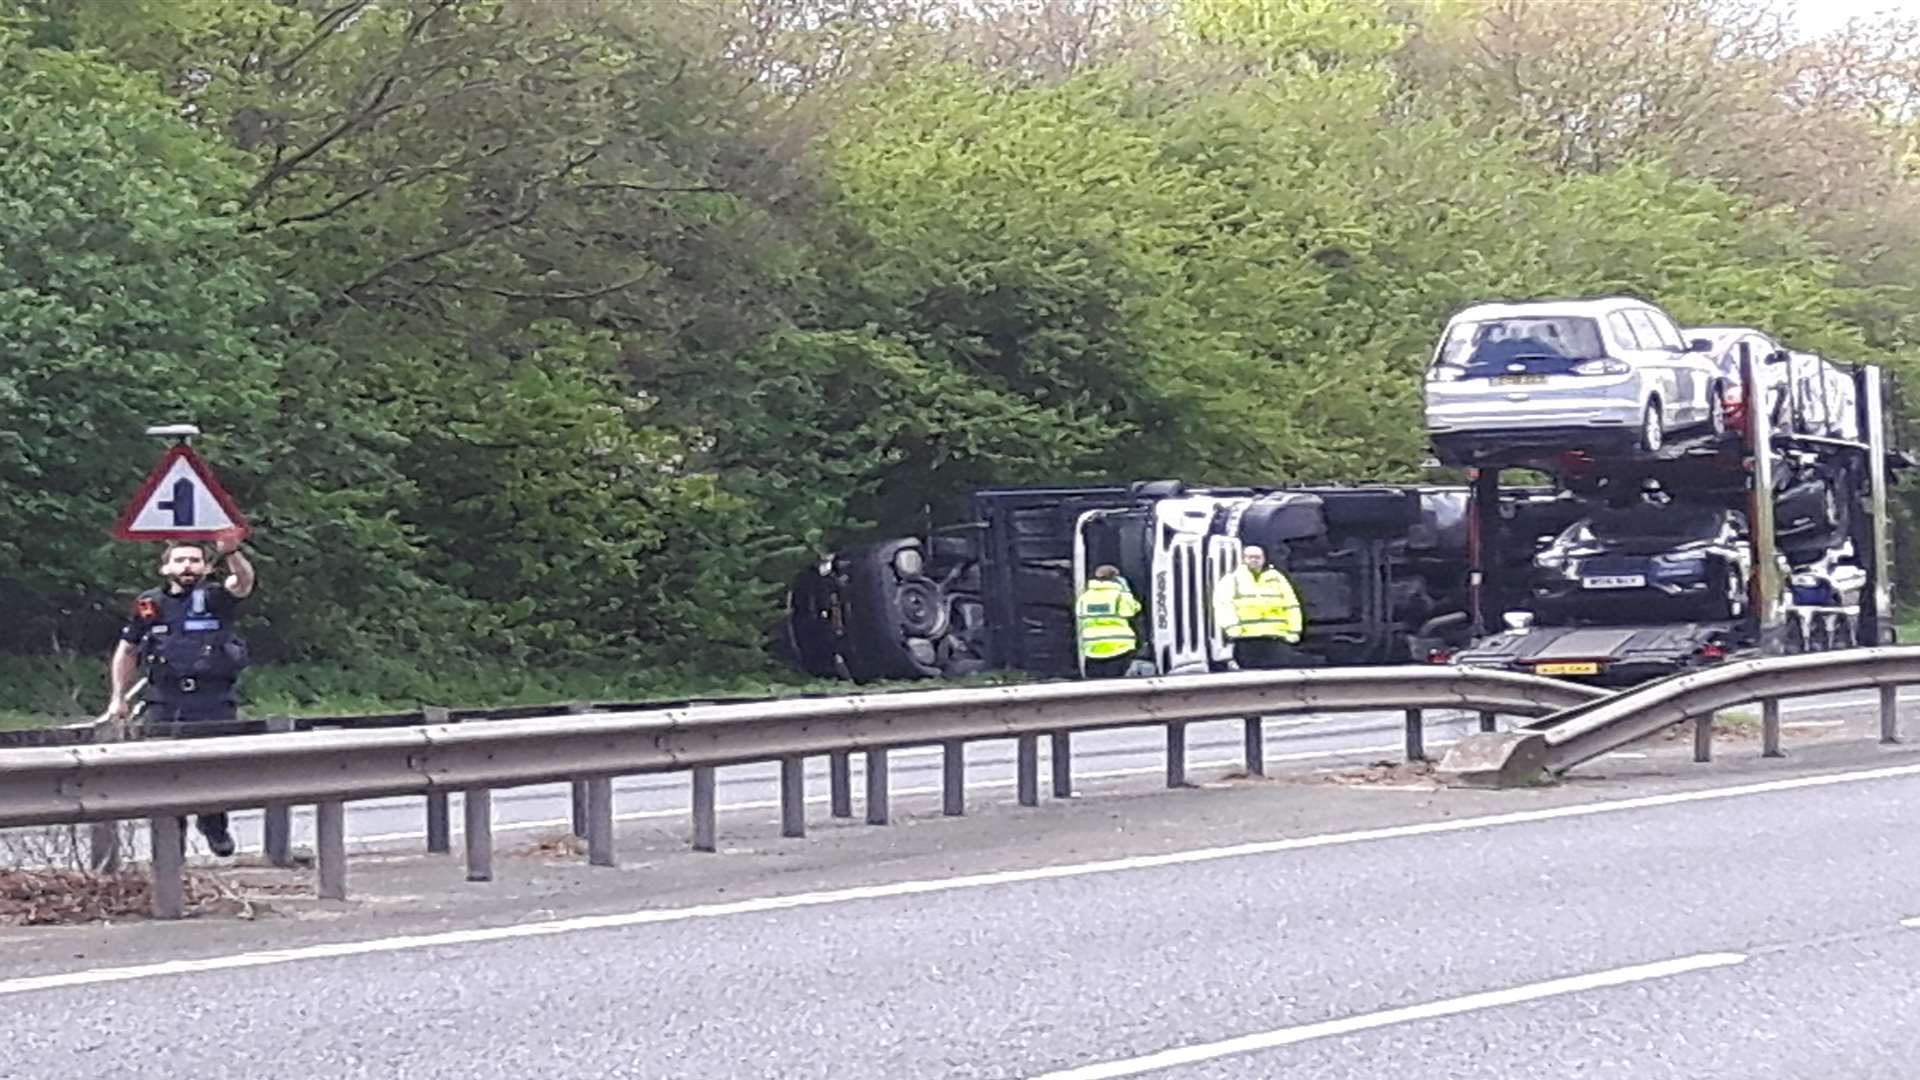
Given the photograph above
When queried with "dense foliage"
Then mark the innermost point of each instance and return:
(559, 332)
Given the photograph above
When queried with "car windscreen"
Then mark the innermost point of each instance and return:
(1647, 528)
(1541, 345)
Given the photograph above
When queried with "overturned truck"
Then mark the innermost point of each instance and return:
(1767, 529)
(1382, 572)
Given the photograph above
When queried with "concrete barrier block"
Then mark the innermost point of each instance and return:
(1496, 760)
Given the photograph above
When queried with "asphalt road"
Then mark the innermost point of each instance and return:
(1685, 934)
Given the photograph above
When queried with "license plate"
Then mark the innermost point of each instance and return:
(1518, 380)
(1584, 667)
(1614, 581)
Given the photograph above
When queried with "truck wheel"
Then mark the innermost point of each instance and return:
(1653, 429)
(1843, 637)
(1818, 639)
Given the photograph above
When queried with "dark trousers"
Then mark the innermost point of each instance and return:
(191, 718)
(1111, 667)
(1265, 653)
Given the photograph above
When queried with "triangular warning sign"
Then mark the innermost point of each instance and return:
(181, 500)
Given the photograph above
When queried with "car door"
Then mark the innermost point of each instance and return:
(1655, 361)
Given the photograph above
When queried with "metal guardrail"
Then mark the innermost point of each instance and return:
(157, 781)
(1555, 744)
(91, 731)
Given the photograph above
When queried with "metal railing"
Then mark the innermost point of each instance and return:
(1557, 743)
(159, 780)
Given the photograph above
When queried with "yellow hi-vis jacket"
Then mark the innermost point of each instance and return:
(1103, 610)
(1262, 606)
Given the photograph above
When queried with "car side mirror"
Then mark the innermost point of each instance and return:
(1700, 344)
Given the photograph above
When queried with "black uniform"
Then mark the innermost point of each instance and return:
(192, 659)
(190, 653)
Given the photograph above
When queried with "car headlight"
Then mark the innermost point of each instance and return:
(1446, 373)
(1603, 367)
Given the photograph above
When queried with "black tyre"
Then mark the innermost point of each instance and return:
(1731, 603)
(1653, 429)
(1796, 637)
(1818, 639)
(1843, 635)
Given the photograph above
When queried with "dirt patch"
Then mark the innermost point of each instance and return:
(1384, 773)
(559, 846)
(58, 897)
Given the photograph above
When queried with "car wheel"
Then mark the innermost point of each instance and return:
(1843, 633)
(1653, 429)
(1717, 410)
(1735, 593)
(1796, 636)
(1818, 640)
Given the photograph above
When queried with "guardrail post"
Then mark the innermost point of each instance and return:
(168, 836)
(704, 825)
(103, 837)
(1416, 735)
(582, 797)
(1062, 761)
(103, 847)
(330, 849)
(1703, 738)
(1770, 728)
(840, 782)
(600, 821)
(478, 809)
(793, 796)
(1489, 721)
(578, 797)
(1256, 738)
(1889, 714)
(953, 778)
(1176, 753)
(276, 819)
(1027, 768)
(439, 816)
(877, 787)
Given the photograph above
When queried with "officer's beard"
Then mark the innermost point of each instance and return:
(185, 580)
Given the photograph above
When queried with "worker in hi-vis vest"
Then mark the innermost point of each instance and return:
(1258, 612)
(1104, 617)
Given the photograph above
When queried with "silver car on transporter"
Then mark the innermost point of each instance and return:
(1514, 382)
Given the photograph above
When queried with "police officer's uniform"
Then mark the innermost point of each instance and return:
(192, 659)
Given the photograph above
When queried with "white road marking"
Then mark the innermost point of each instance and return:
(892, 890)
(1911, 924)
(1813, 723)
(1348, 1025)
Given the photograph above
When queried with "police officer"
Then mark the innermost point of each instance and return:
(1104, 615)
(182, 634)
(1258, 612)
